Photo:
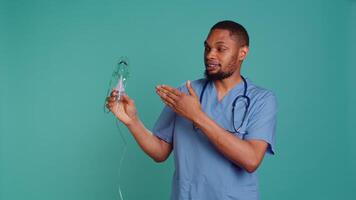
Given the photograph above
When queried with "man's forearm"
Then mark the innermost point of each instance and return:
(148, 142)
(235, 149)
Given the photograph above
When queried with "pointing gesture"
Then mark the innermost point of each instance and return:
(185, 105)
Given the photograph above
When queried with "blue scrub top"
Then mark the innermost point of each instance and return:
(201, 171)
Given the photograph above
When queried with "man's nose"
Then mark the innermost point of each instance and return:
(210, 54)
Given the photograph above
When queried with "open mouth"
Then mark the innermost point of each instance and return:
(212, 66)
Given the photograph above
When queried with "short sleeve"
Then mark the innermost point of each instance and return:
(164, 126)
(262, 124)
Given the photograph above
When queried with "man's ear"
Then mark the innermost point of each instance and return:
(243, 51)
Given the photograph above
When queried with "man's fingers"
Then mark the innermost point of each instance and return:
(168, 93)
(165, 97)
(114, 93)
(190, 89)
(110, 99)
(110, 104)
(112, 96)
(127, 99)
(172, 90)
(168, 103)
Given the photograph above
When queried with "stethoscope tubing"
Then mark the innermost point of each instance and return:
(233, 103)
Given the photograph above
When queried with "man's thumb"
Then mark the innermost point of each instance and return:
(190, 89)
(127, 99)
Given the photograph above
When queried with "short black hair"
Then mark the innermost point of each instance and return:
(235, 29)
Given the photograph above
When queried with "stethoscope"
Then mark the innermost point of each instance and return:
(240, 97)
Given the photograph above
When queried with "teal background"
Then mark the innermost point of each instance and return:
(56, 58)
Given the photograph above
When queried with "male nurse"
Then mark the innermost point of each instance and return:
(218, 127)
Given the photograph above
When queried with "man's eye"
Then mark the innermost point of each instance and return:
(222, 49)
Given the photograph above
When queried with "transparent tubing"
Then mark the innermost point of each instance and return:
(118, 82)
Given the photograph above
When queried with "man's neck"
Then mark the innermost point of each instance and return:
(225, 85)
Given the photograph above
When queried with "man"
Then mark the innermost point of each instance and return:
(219, 127)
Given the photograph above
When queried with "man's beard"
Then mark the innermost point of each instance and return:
(219, 75)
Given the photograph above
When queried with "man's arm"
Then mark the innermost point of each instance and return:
(244, 153)
(125, 111)
(247, 154)
(157, 149)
